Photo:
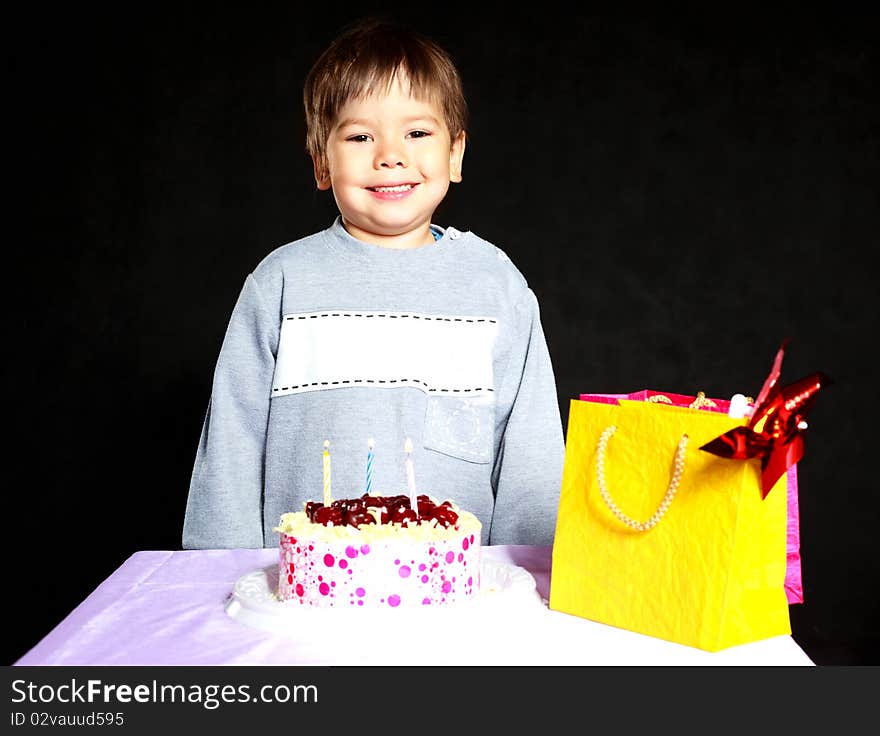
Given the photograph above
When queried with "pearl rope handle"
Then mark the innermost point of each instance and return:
(641, 526)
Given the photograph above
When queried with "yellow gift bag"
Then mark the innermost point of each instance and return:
(657, 536)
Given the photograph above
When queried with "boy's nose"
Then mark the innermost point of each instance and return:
(388, 158)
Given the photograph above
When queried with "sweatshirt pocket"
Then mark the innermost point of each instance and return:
(461, 428)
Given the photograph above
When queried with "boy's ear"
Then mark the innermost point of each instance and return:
(322, 175)
(456, 154)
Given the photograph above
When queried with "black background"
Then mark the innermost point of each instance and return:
(682, 192)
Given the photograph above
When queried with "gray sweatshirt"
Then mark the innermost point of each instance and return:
(335, 339)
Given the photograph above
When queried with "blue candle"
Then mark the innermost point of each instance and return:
(370, 444)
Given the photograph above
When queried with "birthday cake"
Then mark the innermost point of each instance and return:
(377, 551)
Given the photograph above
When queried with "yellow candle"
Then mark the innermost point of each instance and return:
(328, 499)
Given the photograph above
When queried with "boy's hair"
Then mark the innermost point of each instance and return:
(366, 58)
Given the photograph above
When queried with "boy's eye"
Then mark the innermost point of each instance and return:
(359, 138)
(419, 134)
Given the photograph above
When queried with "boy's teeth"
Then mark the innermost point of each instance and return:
(400, 188)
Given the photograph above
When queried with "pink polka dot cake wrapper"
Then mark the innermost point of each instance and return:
(381, 573)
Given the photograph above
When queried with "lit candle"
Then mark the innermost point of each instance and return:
(328, 499)
(370, 444)
(410, 476)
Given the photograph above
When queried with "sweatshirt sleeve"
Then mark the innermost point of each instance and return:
(528, 468)
(224, 506)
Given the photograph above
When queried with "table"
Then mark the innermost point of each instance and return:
(169, 608)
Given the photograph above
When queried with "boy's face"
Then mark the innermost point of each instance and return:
(389, 162)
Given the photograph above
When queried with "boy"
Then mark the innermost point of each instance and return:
(383, 326)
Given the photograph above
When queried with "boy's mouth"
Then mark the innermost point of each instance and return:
(392, 188)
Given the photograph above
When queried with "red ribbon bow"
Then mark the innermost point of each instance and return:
(775, 430)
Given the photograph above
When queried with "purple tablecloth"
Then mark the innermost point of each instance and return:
(170, 608)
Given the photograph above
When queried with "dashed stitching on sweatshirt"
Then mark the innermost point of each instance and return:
(353, 381)
(386, 382)
(391, 316)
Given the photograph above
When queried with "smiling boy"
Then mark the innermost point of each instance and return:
(389, 161)
(382, 326)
